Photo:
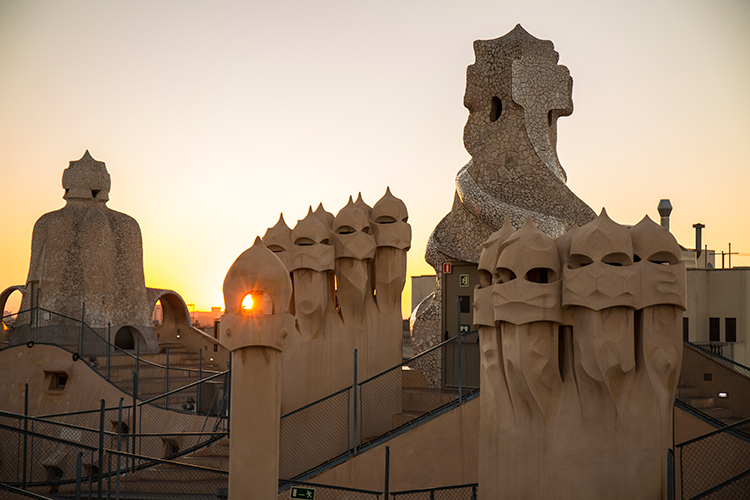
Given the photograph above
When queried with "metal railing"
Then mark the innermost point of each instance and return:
(723, 349)
(337, 427)
(462, 492)
(91, 345)
(717, 464)
(712, 386)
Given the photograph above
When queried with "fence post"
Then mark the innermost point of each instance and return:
(80, 336)
(36, 313)
(229, 389)
(25, 432)
(200, 386)
(355, 401)
(473, 493)
(101, 451)
(387, 470)
(458, 315)
(78, 476)
(109, 347)
(670, 474)
(135, 415)
(137, 367)
(166, 383)
(119, 448)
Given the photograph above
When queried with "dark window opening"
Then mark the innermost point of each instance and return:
(94, 192)
(124, 338)
(504, 275)
(730, 332)
(579, 260)
(465, 301)
(541, 275)
(713, 330)
(496, 109)
(685, 329)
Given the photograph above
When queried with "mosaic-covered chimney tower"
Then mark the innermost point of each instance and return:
(86, 259)
(515, 92)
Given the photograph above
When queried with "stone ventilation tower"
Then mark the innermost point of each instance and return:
(515, 92)
(86, 253)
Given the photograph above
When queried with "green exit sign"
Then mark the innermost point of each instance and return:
(297, 492)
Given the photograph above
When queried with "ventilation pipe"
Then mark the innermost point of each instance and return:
(665, 208)
(698, 245)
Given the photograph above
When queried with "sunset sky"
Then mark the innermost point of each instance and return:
(214, 117)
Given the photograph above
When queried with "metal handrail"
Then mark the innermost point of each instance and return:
(50, 438)
(729, 428)
(440, 488)
(188, 386)
(423, 353)
(721, 359)
(10, 414)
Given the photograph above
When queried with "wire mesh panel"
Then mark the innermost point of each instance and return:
(314, 434)
(737, 488)
(711, 460)
(324, 492)
(393, 399)
(166, 479)
(463, 492)
(40, 462)
(715, 386)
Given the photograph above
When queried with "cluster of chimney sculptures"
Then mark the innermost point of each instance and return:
(578, 317)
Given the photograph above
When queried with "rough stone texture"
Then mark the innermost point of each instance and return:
(348, 272)
(86, 253)
(515, 92)
(581, 351)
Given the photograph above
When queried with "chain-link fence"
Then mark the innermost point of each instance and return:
(395, 398)
(162, 373)
(714, 386)
(719, 460)
(462, 492)
(62, 460)
(315, 434)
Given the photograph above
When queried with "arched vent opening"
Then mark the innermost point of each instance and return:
(496, 109)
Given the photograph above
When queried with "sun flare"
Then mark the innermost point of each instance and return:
(247, 303)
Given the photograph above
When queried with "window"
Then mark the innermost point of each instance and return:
(465, 303)
(713, 330)
(685, 329)
(730, 329)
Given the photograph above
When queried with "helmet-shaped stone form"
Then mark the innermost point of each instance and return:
(261, 274)
(86, 179)
(389, 217)
(312, 247)
(600, 272)
(351, 232)
(278, 239)
(527, 287)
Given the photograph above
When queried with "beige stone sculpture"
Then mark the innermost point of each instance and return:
(581, 350)
(86, 253)
(515, 92)
(256, 337)
(347, 272)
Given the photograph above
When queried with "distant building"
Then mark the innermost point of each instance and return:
(718, 311)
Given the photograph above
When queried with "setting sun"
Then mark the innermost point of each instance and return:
(247, 303)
